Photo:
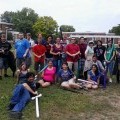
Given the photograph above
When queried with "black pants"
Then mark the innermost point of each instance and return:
(118, 76)
(85, 75)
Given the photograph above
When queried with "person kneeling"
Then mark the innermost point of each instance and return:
(93, 77)
(67, 77)
(22, 95)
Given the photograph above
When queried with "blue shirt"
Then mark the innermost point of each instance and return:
(65, 75)
(21, 46)
(93, 76)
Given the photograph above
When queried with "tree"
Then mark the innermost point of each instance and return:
(45, 25)
(7, 17)
(115, 29)
(23, 20)
(67, 28)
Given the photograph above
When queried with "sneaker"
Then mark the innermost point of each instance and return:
(10, 106)
(110, 80)
(15, 115)
(5, 75)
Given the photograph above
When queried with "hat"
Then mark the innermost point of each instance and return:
(91, 42)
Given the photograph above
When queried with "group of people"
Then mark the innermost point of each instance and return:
(58, 61)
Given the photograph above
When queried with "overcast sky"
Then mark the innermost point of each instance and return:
(84, 15)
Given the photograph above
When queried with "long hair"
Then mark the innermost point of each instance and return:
(97, 71)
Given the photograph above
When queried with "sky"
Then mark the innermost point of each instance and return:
(83, 15)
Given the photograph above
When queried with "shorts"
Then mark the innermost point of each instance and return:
(3, 63)
(65, 83)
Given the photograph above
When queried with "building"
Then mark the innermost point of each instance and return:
(5, 26)
(91, 36)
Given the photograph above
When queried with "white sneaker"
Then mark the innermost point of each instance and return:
(110, 80)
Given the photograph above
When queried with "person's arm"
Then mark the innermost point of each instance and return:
(36, 55)
(101, 66)
(28, 88)
(28, 47)
(78, 53)
(86, 52)
(17, 74)
(42, 75)
(26, 52)
(69, 54)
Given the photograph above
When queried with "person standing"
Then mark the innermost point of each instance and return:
(22, 51)
(88, 55)
(116, 69)
(73, 54)
(32, 43)
(48, 46)
(109, 57)
(56, 51)
(81, 62)
(99, 51)
(39, 55)
(4, 53)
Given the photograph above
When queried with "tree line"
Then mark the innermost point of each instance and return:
(28, 21)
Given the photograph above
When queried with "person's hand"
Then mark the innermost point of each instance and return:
(58, 53)
(35, 93)
(39, 56)
(24, 55)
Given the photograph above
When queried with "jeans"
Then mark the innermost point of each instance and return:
(57, 63)
(20, 98)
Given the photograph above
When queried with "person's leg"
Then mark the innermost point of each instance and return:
(28, 61)
(24, 99)
(59, 64)
(65, 85)
(43, 83)
(85, 75)
(76, 69)
(72, 84)
(89, 86)
(94, 87)
(36, 67)
(5, 63)
(110, 67)
(41, 66)
(18, 62)
(117, 76)
(1, 67)
(70, 65)
(16, 94)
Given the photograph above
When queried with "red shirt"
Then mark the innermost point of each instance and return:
(39, 50)
(72, 49)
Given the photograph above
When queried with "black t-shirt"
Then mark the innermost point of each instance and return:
(32, 85)
(99, 52)
(48, 48)
(6, 46)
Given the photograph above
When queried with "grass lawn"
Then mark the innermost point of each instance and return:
(59, 104)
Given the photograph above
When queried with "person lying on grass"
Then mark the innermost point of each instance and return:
(93, 77)
(21, 73)
(48, 75)
(67, 77)
(22, 95)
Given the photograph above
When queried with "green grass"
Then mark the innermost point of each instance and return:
(59, 104)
